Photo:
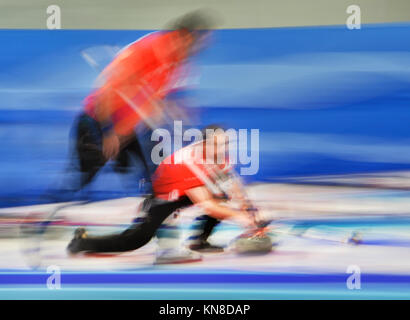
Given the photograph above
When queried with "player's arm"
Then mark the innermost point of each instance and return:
(246, 204)
(236, 189)
(104, 111)
(203, 198)
(111, 142)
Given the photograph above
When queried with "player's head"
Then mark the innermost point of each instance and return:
(215, 143)
(196, 27)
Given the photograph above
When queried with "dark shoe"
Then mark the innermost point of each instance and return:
(205, 246)
(74, 246)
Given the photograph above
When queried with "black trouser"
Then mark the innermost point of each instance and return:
(88, 158)
(209, 226)
(139, 234)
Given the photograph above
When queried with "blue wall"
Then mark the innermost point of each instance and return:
(326, 100)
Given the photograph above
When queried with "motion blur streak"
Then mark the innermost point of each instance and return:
(332, 108)
(351, 87)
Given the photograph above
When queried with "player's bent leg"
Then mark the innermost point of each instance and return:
(110, 243)
(202, 228)
(85, 160)
(88, 149)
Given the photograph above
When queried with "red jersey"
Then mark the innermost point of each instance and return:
(138, 79)
(185, 170)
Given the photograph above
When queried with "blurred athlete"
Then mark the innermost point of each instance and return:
(133, 92)
(183, 179)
